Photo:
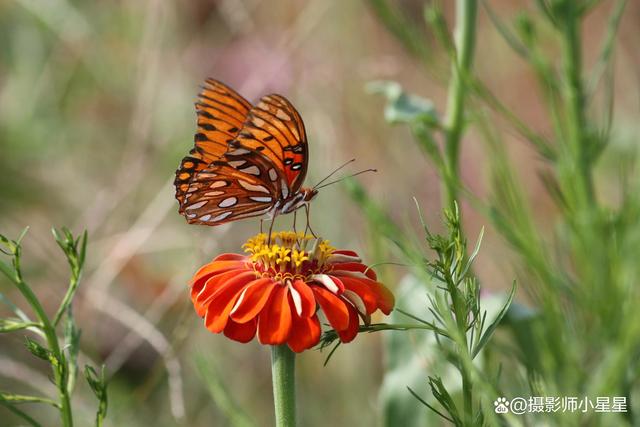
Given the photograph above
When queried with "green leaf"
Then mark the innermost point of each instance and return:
(403, 107)
(442, 395)
(38, 350)
(26, 417)
(98, 385)
(484, 339)
(11, 325)
(20, 398)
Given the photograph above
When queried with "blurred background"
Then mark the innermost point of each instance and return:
(96, 111)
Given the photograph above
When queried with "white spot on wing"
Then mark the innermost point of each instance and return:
(252, 170)
(236, 163)
(206, 175)
(261, 199)
(273, 175)
(218, 184)
(228, 202)
(205, 217)
(214, 193)
(282, 115)
(221, 216)
(295, 133)
(251, 187)
(258, 122)
(285, 189)
(237, 152)
(197, 205)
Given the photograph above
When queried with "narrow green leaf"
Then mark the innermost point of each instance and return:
(98, 385)
(20, 414)
(491, 329)
(38, 350)
(425, 403)
(473, 255)
(11, 325)
(20, 398)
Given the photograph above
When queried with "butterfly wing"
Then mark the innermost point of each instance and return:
(222, 193)
(274, 130)
(221, 113)
(265, 163)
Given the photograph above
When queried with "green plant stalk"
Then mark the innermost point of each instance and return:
(575, 104)
(460, 313)
(51, 338)
(284, 387)
(466, 12)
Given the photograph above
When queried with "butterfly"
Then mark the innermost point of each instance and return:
(248, 160)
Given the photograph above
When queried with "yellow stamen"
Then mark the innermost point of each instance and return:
(287, 253)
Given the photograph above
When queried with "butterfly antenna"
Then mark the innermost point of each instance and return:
(345, 177)
(332, 173)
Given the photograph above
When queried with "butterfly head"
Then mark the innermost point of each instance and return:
(297, 200)
(308, 194)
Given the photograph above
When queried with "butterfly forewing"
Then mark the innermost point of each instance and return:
(221, 113)
(275, 129)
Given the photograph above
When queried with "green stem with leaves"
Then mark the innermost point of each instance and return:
(575, 102)
(284, 387)
(466, 12)
(52, 342)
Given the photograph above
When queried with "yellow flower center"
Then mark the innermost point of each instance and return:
(289, 254)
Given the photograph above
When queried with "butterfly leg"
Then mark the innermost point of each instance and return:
(294, 222)
(273, 220)
(261, 220)
(308, 227)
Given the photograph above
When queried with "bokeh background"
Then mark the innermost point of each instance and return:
(96, 111)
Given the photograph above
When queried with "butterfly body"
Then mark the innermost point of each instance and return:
(247, 161)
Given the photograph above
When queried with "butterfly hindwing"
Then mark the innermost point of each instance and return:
(222, 193)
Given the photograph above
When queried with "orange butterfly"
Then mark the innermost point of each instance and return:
(247, 160)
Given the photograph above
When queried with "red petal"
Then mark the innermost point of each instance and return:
(241, 332)
(254, 297)
(354, 266)
(230, 257)
(305, 333)
(211, 269)
(221, 303)
(214, 284)
(350, 333)
(333, 307)
(368, 289)
(364, 291)
(306, 296)
(274, 323)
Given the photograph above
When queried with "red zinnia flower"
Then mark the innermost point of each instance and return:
(278, 289)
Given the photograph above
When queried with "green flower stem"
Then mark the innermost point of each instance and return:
(466, 11)
(51, 338)
(284, 386)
